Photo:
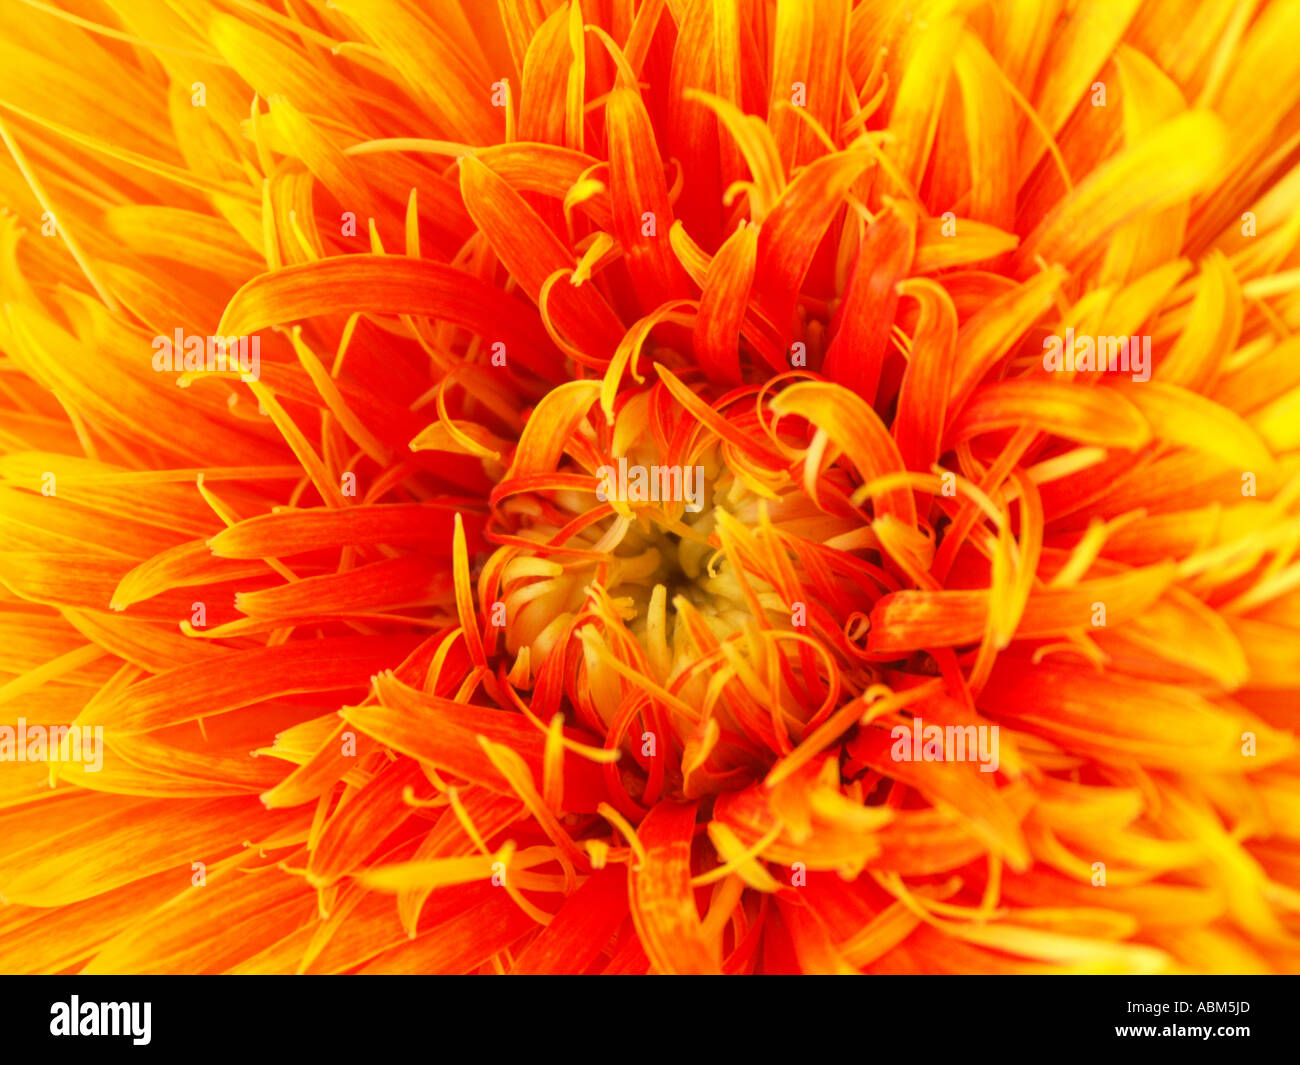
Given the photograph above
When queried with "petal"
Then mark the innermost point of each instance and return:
(662, 899)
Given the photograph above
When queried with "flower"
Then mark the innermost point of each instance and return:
(691, 487)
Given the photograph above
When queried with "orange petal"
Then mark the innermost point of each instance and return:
(662, 899)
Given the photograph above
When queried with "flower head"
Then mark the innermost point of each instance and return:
(680, 487)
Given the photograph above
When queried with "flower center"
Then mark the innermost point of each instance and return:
(642, 566)
(674, 628)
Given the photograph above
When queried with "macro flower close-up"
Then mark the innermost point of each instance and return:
(650, 486)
